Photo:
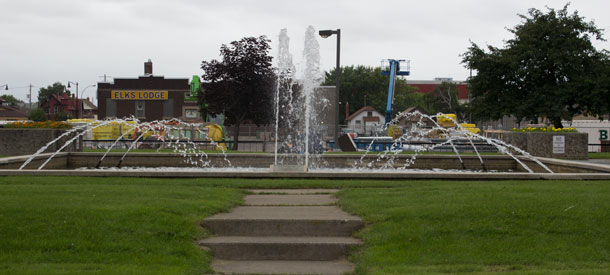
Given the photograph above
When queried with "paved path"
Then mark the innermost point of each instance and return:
(283, 232)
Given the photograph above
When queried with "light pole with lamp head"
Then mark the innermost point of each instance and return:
(5, 86)
(326, 34)
(76, 98)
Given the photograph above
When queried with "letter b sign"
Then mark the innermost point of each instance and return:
(603, 134)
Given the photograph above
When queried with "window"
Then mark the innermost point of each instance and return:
(140, 108)
(110, 108)
(55, 109)
(191, 114)
(358, 124)
(369, 113)
(168, 108)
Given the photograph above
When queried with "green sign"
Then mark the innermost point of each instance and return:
(603, 134)
(195, 83)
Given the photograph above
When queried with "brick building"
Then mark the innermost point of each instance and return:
(56, 104)
(148, 98)
(428, 86)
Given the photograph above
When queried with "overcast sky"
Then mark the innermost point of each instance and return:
(42, 42)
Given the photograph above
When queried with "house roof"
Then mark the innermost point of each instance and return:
(87, 104)
(363, 109)
(7, 111)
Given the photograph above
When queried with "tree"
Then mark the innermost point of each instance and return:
(361, 83)
(37, 115)
(10, 99)
(56, 89)
(549, 69)
(241, 85)
(443, 99)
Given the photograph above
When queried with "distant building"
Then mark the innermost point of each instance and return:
(428, 86)
(148, 98)
(56, 104)
(365, 120)
(12, 113)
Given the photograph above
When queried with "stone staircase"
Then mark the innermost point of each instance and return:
(283, 232)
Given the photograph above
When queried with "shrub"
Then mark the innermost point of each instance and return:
(37, 115)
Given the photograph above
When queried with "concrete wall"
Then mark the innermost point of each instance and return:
(27, 141)
(541, 144)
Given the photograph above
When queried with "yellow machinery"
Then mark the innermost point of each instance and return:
(471, 127)
(448, 120)
(113, 130)
(215, 134)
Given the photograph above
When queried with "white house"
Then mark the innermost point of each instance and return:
(365, 120)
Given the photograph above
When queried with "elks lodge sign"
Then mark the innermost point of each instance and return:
(138, 95)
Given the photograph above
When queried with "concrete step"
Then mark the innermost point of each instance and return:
(280, 248)
(283, 267)
(289, 200)
(293, 191)
(284, 221)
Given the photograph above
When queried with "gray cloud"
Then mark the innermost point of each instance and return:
(47, 41)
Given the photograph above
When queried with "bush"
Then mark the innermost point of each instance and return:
(37, 115)
(63, 116)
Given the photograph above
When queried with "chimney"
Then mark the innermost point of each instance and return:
(346, 110)
(148, 67)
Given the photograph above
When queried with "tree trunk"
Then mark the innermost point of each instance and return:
(557, 122)
(236, 136)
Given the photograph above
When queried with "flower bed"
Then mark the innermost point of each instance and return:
(43, 124)
(547, 129)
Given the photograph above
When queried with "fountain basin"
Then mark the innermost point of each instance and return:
(334, 166)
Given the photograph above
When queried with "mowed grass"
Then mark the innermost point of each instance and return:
(541, 227)
(602, 155)
(62, 225)
(85, 225)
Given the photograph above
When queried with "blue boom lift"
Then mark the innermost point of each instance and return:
(393, 68)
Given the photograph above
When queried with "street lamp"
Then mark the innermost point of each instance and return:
(5, 86)
(82, 95)
(326, 34)
(75, 98)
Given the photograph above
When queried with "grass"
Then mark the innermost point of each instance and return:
(604, 155)
(119, 226)
(75, 225)
(542, 227)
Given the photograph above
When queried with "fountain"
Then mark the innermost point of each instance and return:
(297, 153)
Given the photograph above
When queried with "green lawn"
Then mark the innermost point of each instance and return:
(525, 227)
(604, 155)
(60, 225)
(76, 225)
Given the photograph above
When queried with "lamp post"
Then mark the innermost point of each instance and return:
(75, 98)
(5, 86)
(326, 34)
(82, 95)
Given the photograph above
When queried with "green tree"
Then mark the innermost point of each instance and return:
(10, 99)
(549, 69)
(37, 115)
(56, 89)
(241, 85)
(362, 83)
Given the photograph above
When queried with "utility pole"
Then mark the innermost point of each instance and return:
(30, 96)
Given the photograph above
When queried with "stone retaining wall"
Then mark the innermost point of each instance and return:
(25, 141)
(550, 145)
